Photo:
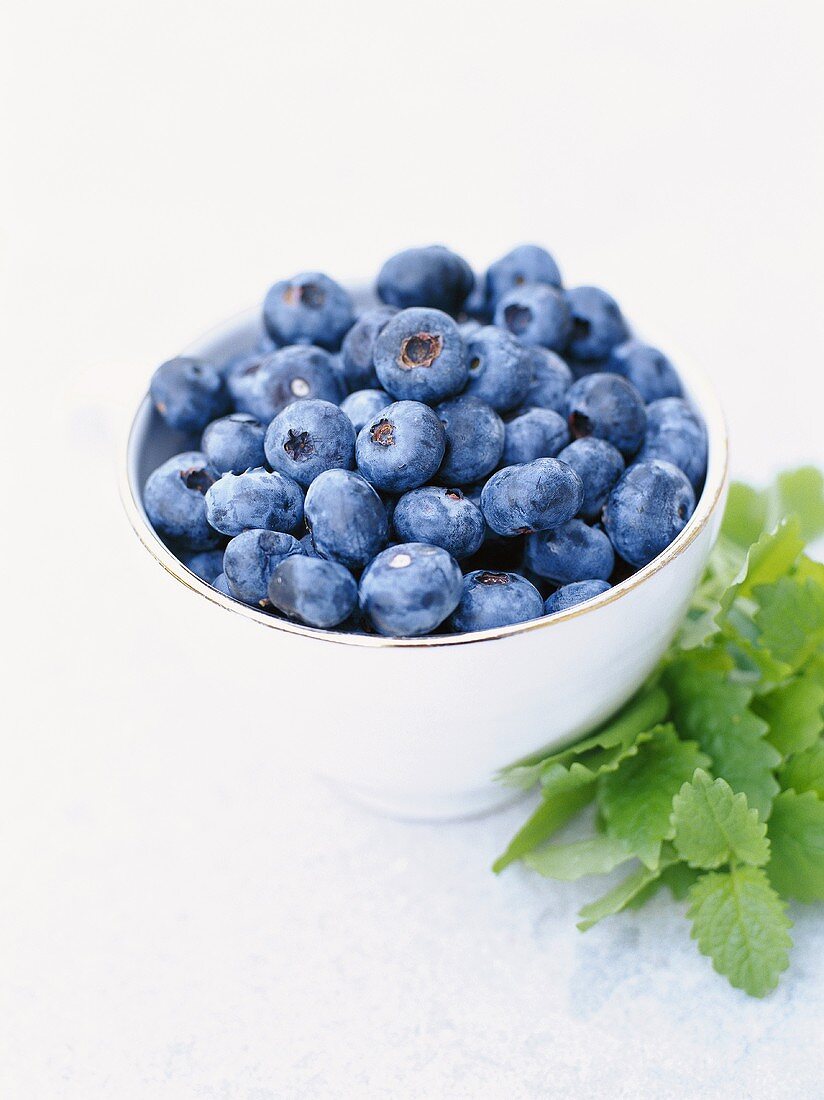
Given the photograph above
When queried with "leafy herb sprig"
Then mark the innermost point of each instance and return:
(711, 780)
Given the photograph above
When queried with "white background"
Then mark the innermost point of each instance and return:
(180, 918)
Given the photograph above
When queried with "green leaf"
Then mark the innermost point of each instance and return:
(742, 924)
(712, 709)
(790, 618)
(801, 493)
(805, 772)
(797, 838)
(620, 897)
(768, 559)
(546, 820)
(794, 714)
(678, 877)
(593, 856)
(636, 800)
(745, 516)
(713, 825)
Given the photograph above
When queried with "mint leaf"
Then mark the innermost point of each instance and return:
(713, 825)
(768, 559)
(636, 800)
(805, 772)
(797, 837)
(790, 618)
(745, 516)
(741, 923)
(794, 714)
(620, 897)
(546, 820)
(594, 856)
(801, 493)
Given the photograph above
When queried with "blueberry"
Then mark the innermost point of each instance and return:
(535, 497)
(648, 369)
(234, 443)
(441, 517)
(534, 433)
(175, 502)
(536, 314)
(419, 356)
(528, 263)
(346, 518)
(317, 592)
(572, 594)
(410, 589)
(599, 466)
(358, 347)
(309, 546)
(650, 505)
(206, 564)
(362, 405)
(597, 323)
(571, 552)
(610, 408)
(549, 380)
(469, 328)
(308, 437)
(676, 434)
(432, 276)
(290, 374)
(308, 309)
(476, 308)
(250, 560)
(474, 440)
(492, 599)
(222, 585)
(241, 376)
(499, 372)
(401, 447)
(188, 393)
(255, 499)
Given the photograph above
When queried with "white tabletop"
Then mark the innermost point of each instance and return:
(179, 918)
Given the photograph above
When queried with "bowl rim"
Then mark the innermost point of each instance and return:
(699, 388)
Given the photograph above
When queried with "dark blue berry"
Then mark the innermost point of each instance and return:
(419, 356)
(358, 348)
(535, 497)
(432, 276)
(346, 517)
(410, 589)
(608, 407)
(290, 374)
(571, 552)
(499, 372)
(549, 380)
(441, 517)
(310, 308)
(175, 500)
(362, 405)
(255, 499)
(250, 560)
(534, 433)
(317, 592)
(474, 440)
(647, 369)
(597, 323)
(599, 466)
(308, 437)
(206, 564)
(647, 509)
(234, 443)
(491, 599)
(528, 263)
(402, 447)
(572, 594)
(536, 314)
(188, 393)
(676, 434)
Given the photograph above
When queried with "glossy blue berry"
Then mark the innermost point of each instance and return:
(474, 440)
(535, 497)
(291, 374)
(419, 356)
(534, 433)
(175, 501)
(599, 466)
(536, 314)
(409, 589)
(316, 592)
(549, 380)
(401, 448)
(250, 560)
(206, 564)
(346, 518)
(528, 263)
(188, 393)
(676, 434)
(647, 509)
(575, 593)
(358, 348)
(571, 552)
(362, 405)
(308, 437)
(647, 368)
(234, 443)
(608, 407)
(597, 323)
(309, 308)
(499, 372)
(433, 276)
(491, 599)
(441, 517)
(255, 499)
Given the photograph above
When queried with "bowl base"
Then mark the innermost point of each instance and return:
(405, 806)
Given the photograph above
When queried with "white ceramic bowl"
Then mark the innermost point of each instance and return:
(417, 727)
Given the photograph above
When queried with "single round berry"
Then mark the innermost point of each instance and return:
(597, 323)
(572, 594)
(599, 466)
(549, 380)
(309, 437)
(474, 440)
(206, 564)
(419, 356)
(291, 374)
(362, 405)
(409, 589)
(317, 592)
(571, 552)
(358, 348)
(528, 263)
(534, 433)
(254, 499)
(188, 393)
(174, 498)
(401, 447)
(310, 308)
(676, 434)
(491, 599)
(534, 497)
(647, 368)
(432, 276)
(250, 560)
(241, 373)
(234, 443)
(441, 517)
(536, 314)
(499, 372)
(647, 509)
(608, 407)
(346, 517)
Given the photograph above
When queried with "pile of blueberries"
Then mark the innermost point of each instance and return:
(471, 452)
